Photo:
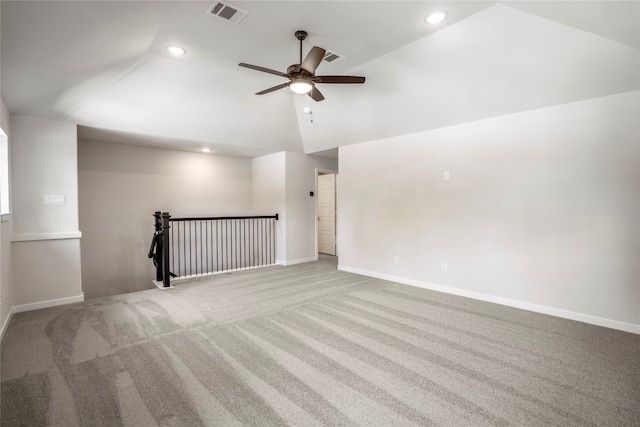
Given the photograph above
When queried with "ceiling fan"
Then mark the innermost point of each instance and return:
(302, 78)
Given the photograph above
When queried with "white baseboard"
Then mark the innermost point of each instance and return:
(47, 304)
(299, 261)
(565, 314)
(213, 273)
(160, 285)
(6, 324)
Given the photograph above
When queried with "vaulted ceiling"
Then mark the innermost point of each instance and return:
(103, 65)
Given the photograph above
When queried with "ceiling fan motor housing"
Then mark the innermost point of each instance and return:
(296, 70)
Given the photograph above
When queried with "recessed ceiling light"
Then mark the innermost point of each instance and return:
(176, 50)
(435, 17)
(206, 150)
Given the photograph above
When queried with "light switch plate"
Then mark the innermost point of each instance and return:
(55, 200)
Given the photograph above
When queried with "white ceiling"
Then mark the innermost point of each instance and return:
(102, 65)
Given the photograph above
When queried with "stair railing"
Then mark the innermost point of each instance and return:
(187, 247)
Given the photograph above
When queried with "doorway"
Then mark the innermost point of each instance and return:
(326, 212)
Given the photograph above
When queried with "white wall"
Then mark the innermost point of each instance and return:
(46, 238)
(44, 163)
(121, 186)
(542, 210)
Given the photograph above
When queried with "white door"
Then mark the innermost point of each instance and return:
(327, 214)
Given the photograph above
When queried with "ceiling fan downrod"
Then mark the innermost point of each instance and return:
(301, 35)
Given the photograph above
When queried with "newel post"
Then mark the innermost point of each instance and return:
(157, 241)
(165, 250)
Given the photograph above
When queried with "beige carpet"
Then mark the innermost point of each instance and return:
(309, 345)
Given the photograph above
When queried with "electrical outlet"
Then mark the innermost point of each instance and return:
(446, 176)
(396, 259)
(444, 267)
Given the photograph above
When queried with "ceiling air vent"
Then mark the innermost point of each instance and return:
(333, 58)
(228, 12)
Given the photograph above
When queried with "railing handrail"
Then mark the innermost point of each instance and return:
(221, 218)
(161, 247)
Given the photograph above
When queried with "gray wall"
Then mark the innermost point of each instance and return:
(120, 187)
(542, 210)
(281, 183)
(301, 208)
(269, 194)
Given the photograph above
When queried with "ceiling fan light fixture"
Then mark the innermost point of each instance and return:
(435, 17)
(300, 85)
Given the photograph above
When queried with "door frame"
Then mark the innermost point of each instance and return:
(320, 171)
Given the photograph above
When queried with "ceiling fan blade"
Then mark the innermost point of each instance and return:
(315, 94)
(338, 79)
(264, 70)
(313, 59)
(271, 89)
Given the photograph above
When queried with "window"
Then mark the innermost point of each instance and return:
(4, 173)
